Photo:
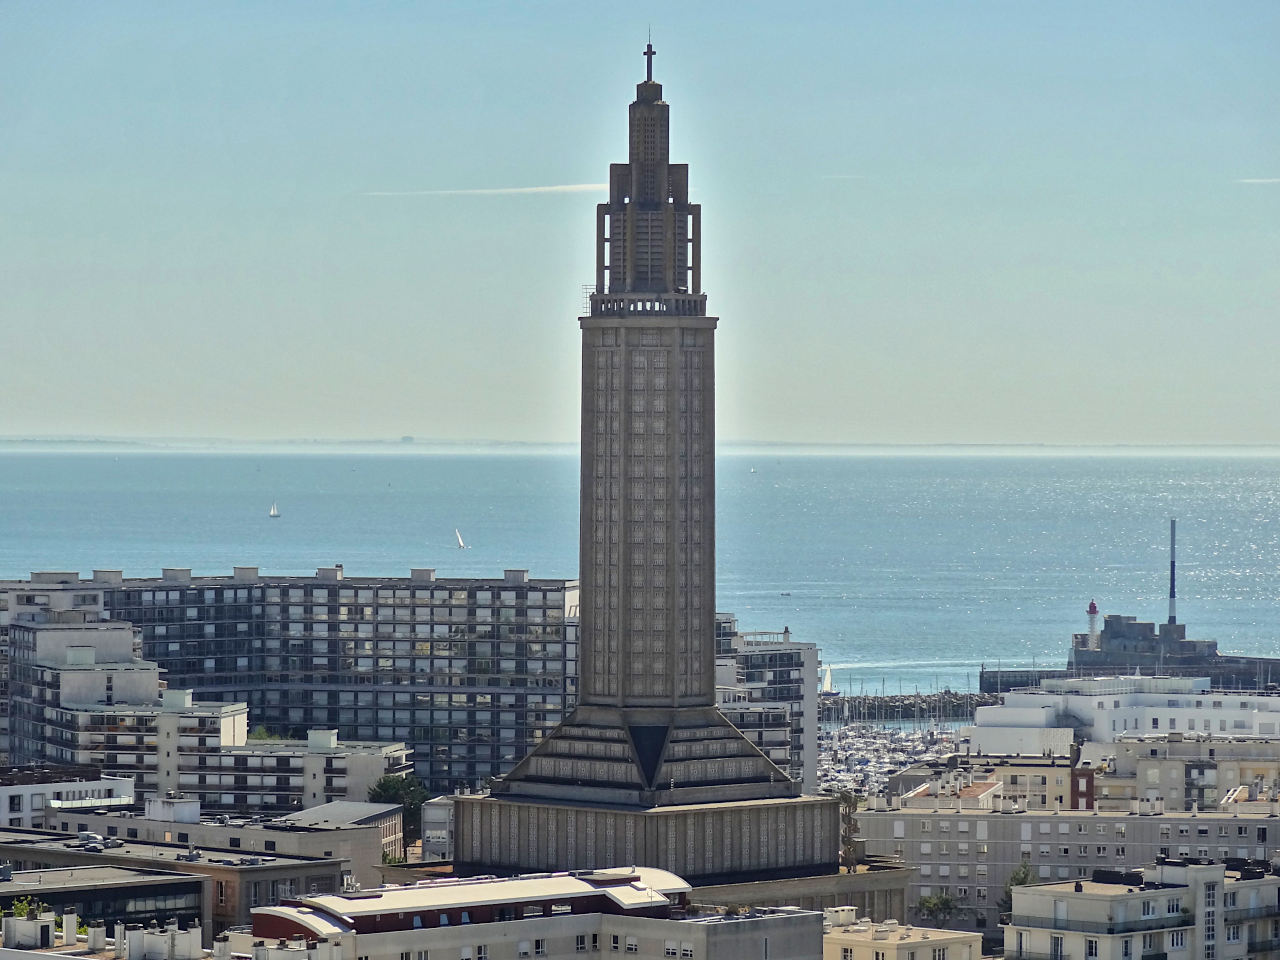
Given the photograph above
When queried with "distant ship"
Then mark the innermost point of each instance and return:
(274, 512)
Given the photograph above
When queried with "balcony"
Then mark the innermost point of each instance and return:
(1263, 946)
(1028, 955)
(1107, 926)
(1251, 913)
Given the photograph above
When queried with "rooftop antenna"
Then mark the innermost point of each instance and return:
(649, 54)
(1173, 592)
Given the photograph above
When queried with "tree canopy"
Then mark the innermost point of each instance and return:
(409, 793)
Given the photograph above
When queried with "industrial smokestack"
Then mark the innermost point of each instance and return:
(1173, 564)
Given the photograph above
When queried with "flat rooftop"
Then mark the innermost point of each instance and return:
(630, 887)
(25, 882)
(26, 844)
(895, 932)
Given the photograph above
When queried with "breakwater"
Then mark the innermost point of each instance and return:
(944, 706)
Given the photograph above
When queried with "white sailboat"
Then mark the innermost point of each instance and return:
(274, 512)
(461, 545)
(828, 688)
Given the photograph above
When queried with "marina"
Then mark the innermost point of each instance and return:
(859, 758)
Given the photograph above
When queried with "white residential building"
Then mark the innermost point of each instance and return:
(1175, 909)
(1049, 717)
(80, 695)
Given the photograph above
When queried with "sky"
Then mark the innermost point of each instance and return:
(982, 222)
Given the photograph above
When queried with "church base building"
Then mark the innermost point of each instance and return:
(705, 843)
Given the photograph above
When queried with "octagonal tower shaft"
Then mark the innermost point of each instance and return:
(647, 552)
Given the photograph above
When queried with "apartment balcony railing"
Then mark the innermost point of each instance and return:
(1263, 946)
(1028, 955)
(1251, 913)
(1106, 926)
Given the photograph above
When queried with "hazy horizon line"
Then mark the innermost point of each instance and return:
(437, 446)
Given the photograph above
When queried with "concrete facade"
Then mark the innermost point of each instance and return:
(1190, 909)
(471, 672)
(647, 767)
(971, 854)
(80, 695)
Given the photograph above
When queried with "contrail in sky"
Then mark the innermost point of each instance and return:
(491, 191)
(1262, 180)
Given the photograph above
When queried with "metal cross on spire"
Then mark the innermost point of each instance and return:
(649, 54)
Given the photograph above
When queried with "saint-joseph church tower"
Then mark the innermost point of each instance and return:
(646, 770)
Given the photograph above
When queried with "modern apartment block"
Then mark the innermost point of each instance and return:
(970, 845)
(79, 695)
(1171, 909)
(472, 673)
(771, 671)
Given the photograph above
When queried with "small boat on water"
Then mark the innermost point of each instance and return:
(828, 688)
(461, 545)
(274, 512)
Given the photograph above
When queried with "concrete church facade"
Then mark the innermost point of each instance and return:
(647, 770)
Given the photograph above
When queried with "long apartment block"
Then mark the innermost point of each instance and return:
(968, 843)
(470, 672)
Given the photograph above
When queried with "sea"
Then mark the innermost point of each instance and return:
(910, 569)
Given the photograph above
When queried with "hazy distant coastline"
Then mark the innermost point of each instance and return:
(437, 447)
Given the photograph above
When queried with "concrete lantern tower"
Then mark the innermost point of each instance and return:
(646, 739)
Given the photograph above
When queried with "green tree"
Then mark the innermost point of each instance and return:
(409, 793)
(1020, 877)
(937, 909)
(259, 733)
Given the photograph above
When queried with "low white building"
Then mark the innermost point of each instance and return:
(1047, 718)
(32, 796)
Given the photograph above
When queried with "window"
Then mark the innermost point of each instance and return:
(939, 953)
(482, 950)
(580, 943)
(522, 948)
(633, 945)
(1177, 939)
(1173, 905)
(846, 953)
(1090, 947)
(670, 949)
(1233, 933)
(686, 949)
(595, 941)
(540, 949)
(613, 942)
(1148, 908)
